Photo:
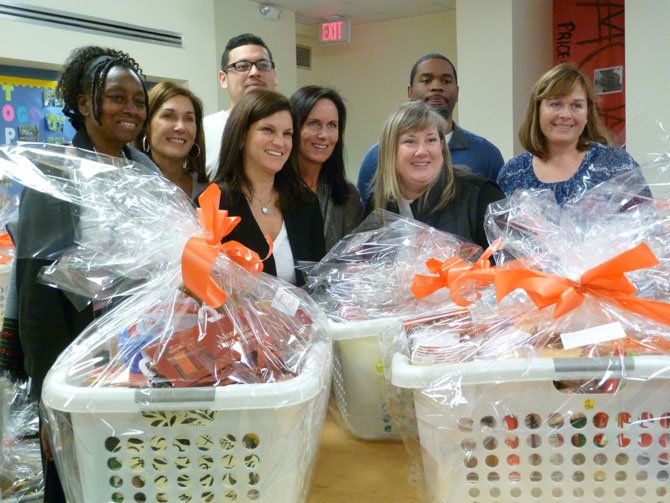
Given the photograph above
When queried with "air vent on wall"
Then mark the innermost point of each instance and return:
(71, 21)
(303, 56)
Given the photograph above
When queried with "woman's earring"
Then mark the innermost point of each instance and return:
(145, 145)
(191, 155)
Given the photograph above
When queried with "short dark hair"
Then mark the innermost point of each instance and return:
(239, 41)
(333, 170)
(432, 55)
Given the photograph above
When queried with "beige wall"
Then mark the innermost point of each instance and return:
(500, 47)
(45, 47)
(503, 47)
(647, 77)
(372, 71)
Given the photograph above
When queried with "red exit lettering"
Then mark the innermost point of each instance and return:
(331, 32)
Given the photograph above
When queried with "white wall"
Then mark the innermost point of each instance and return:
(503, 48)
(500, 47)
(233, 17)
(372, 71)
(40, 46)
(647, 77)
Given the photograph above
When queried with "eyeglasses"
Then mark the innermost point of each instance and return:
(263, 65)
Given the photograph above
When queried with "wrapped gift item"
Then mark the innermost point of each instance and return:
(204, 377)
(363, 284)
(20, 460)
(367, 275)
(555, 383)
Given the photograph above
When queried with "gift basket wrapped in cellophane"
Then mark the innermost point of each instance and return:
(556, 384)
(20, 462)
(208, 380)
(363, 284)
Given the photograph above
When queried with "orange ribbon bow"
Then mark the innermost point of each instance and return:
(453, 273)
(606, 281)
(200, 252)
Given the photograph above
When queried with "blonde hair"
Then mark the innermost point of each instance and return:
(557, 82)
(410, 117)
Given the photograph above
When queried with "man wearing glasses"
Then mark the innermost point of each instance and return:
(246, 64)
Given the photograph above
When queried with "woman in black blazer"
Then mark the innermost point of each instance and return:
(260, 184)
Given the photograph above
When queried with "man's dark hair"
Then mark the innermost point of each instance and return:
(432, 55)
(239, 41)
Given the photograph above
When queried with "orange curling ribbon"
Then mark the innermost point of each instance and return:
(453, 273)
(606, 281)
(200, 253)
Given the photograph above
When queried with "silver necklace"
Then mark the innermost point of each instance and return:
(265, 208)
(123, 154)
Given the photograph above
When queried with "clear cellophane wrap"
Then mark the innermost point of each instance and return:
(564, 349)
(363, 284)
(20, 462)
(156, 334)
(368, 274)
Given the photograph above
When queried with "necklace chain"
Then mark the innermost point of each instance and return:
(123, 154)
(265, 205)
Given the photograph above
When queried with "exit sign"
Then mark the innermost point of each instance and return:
(334, 30)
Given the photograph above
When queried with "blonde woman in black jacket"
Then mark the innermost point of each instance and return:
(415, 177)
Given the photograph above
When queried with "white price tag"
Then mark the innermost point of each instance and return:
(593, 335)
(286, 302)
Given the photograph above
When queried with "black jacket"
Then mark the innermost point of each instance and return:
(304, 226)
(48, 321)
(464, 215)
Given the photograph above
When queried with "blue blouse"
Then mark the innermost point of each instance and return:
(600, 163)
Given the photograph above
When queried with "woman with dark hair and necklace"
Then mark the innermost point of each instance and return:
(105, 99)
(173, 137)
(321, 117)
(260, 184)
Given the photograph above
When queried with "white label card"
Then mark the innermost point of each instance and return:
(593, 335)
(286, 302)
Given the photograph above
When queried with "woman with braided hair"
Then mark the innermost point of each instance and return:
(106, 101)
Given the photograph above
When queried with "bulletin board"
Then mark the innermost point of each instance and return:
(30, 111)
(591, 35)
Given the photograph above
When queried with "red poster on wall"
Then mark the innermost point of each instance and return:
(590, 34)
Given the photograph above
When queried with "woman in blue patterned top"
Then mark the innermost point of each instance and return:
(568, 150)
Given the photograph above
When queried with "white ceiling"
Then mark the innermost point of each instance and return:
(360, 11)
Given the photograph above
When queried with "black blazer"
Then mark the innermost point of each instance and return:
(48, 321)
(304, 226)
(464, 215)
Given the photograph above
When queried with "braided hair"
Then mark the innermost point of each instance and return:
(85, 73)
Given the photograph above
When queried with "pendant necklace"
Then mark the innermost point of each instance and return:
(265, 208)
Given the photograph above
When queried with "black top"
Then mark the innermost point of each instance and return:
(48, 321)
(304, 226)
(464, 215)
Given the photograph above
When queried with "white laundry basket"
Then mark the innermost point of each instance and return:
(501, 431)
(358, 376)
(245, 442)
